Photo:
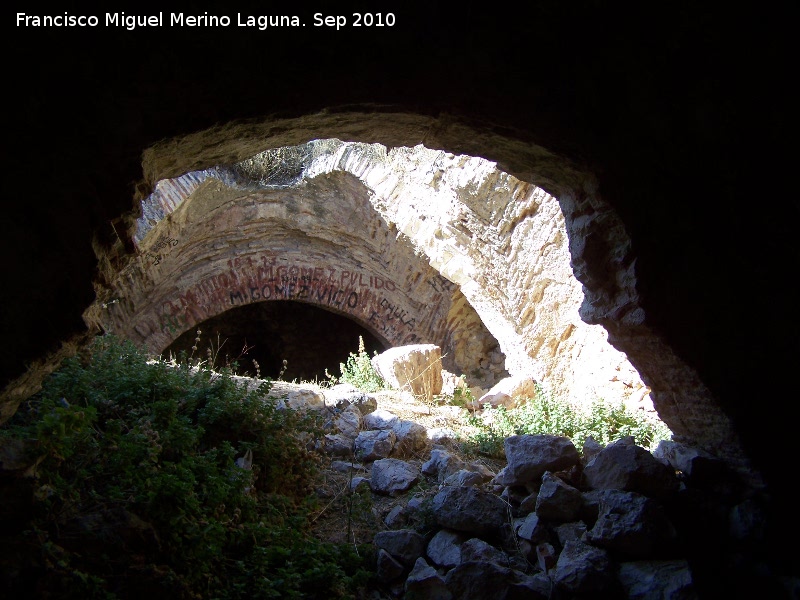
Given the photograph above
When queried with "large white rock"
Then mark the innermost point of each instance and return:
(507, 391)
(416, 368)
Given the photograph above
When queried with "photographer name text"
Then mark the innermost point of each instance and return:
(261, 22)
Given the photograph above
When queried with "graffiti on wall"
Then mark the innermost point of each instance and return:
(155, 254)
(366, 296)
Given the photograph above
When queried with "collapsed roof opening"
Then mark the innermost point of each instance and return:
(260, 336)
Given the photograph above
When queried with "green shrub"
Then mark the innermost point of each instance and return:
(358, 371)
(138, 490)
(544, 414)
(462, 396)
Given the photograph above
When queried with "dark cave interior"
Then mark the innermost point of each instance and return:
(311, 340)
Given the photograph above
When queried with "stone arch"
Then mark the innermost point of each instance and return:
(532, 252)
(212, 241)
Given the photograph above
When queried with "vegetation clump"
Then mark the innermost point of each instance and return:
(167, 480)
(359, 371)
(543, 414)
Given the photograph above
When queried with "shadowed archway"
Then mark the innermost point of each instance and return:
(260, 336)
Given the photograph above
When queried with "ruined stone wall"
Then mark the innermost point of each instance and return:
(226, 245)
(483, 237)
(384, 236)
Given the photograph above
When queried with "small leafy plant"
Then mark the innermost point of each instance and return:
(358, 371)
(461, 396)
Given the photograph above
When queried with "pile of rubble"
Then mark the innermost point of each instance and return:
(608, 522)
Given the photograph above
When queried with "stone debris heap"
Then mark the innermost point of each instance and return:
(555, 523)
